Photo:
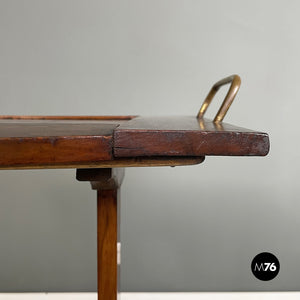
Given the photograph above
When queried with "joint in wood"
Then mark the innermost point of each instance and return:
(102, 179)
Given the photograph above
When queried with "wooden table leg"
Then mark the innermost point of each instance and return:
(107, 183)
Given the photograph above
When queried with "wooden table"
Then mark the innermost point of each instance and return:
(100, 147)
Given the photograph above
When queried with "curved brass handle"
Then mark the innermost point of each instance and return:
(235, 81)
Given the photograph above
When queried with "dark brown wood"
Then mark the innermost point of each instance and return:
(47, 129)
(107, 183)
(127, 141)
(118, 118)
(186, 136)
(102, 179)
(155, 161)
(107, 244)
(47, 152)
(47, 143)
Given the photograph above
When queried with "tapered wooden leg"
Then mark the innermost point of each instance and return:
(107, 183)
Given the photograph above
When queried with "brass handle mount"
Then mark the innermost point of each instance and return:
(235, 81)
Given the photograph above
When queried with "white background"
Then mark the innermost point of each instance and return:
(155, 296)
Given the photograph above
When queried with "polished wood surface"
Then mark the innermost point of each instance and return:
(33, 129)
(186, 136)
(36, 143)
(53, 142)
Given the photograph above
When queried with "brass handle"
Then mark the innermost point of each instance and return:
(235, 81)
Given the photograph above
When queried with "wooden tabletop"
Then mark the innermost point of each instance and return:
(106, 141)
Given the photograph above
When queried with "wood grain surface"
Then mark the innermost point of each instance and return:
(50, 142)
(107, 244)
(186, 136)
(36, 143)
